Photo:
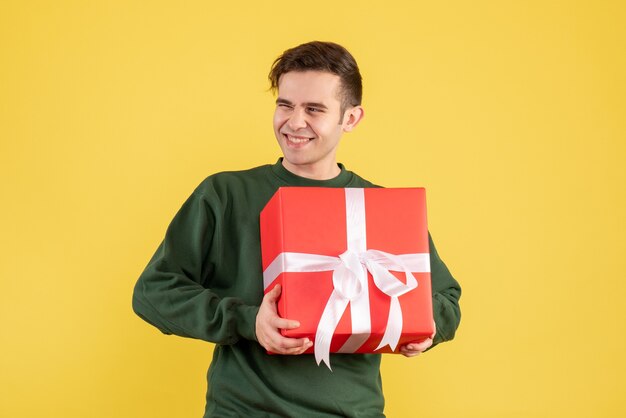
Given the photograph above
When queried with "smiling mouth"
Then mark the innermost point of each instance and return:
(297, 140)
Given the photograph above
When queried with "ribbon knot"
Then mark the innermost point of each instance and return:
(350, 276)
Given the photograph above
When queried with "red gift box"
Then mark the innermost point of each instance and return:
(353, 265)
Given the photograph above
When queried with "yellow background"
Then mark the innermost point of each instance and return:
(511, 114)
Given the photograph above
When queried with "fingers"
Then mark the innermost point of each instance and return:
(269, 303)
(416, 348)
(282, 323)
(269, 324)
(420, 346)
(289, 346)
(272, 340)
(273, 294)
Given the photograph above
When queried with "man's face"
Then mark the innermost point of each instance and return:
(308, 122)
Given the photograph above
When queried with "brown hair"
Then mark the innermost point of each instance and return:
(322, 56)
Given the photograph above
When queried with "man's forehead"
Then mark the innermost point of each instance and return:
(309, 86)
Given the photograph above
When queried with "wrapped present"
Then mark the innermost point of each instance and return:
(353, 265)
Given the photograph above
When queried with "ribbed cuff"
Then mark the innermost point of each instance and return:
(246, 321)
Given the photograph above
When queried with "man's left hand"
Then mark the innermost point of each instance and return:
(416, 348)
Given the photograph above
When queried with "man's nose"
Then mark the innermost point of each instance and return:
(297, 120)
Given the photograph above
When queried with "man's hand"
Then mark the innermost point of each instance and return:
(416, 348)
(269, 324)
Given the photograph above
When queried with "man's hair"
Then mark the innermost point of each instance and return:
(322, 56)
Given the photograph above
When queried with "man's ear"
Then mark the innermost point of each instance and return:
(352, 117)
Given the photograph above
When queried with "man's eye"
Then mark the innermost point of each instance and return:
(313, 109)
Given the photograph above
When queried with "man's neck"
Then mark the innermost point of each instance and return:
(313, 172)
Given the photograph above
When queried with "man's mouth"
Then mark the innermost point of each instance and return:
(297, 140)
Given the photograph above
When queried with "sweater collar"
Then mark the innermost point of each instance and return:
(341, 180)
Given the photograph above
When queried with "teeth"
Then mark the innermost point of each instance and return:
(296, 140)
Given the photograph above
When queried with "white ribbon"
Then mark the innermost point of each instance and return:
(350, 282)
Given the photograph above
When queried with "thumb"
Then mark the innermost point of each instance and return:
(274, 294)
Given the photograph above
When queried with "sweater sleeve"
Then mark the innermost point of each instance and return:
(172, 292)
(446, 294)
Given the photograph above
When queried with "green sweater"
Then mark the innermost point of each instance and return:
(205, 281)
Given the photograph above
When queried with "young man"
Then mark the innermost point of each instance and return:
(205, 279)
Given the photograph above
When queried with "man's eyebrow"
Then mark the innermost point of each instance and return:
(283, 101)
(317, 105)
(308, 104)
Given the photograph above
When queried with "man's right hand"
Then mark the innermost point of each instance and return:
(269, 324)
